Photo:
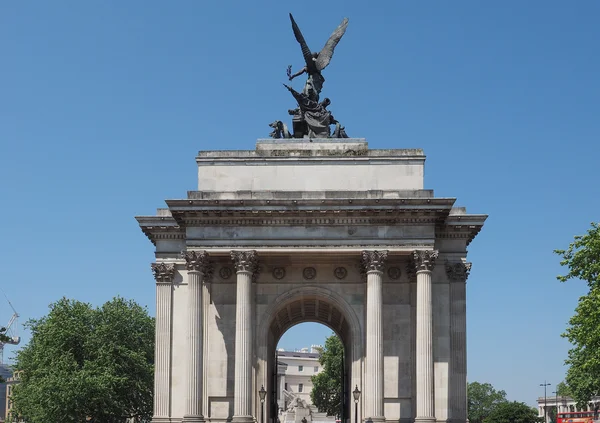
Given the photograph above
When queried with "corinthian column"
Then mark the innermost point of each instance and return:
(163, 274)
(246, 265)
(423, 261)
(199, 269)
(457, 275)
(373, 262)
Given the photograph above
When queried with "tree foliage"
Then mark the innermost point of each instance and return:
(562, 390)
(87, 364)
(582, 259)
(326, 394)
(482, 399)
(513, 412)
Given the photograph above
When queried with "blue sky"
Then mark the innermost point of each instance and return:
(105, 104)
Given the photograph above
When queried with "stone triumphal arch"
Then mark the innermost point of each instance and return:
(327, 231)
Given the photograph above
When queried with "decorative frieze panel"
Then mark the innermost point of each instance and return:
(163, 272)
(373, 260)
(458, 271)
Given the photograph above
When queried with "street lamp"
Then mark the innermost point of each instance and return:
(545, 412)
(262, 393)
(556, 401)
(356, 395)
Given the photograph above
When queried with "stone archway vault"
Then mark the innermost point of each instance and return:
(308, 304)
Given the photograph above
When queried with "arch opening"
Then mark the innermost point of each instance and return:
(304, 305)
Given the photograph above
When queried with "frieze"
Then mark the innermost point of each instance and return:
(458, 271)
(225, 272)
(163, 272)
(394, 273)
(318, 153)
(279, 273)
(340, 273)
(305, 221)
(309, 273)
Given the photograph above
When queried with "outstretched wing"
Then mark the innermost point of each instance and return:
(300, 38)
(327, 52)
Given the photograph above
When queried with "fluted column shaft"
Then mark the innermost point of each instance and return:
(457, 275)
(373, 262)
(199, 268)
(246, 266)
(163, 274)
(424, 261)
(193, 410)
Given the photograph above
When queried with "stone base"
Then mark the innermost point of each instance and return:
(193, 419)
(161, 420)
(242, 419)
(377, 419)
(425, 420)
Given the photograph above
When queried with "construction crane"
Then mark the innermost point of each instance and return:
(10, 330)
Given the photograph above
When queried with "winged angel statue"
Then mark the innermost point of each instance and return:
(316, 62)
(311, 118)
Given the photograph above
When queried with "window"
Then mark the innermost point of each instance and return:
(316, 369)
(300, 368)
(300, 387)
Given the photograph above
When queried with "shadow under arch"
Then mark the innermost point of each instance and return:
(307, 304)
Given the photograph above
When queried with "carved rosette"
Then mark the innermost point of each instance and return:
(458, 271)
(373, 261)
(198, 261)
(423, 260)
(245, 261)
(163, 272)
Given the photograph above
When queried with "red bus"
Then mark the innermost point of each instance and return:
(576, 417)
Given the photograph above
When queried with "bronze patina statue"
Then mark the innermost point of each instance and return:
(311, 119)
(316, 62)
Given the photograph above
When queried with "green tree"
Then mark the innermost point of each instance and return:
(562, 389)
(582, 259)
(87, 364)
(482, 398)
(326, 394)
(513, 412)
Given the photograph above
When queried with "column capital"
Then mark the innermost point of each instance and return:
(245, 261)
(198, 261)
(458, 271)
(163, 272)
(373, 260)
(423, 260)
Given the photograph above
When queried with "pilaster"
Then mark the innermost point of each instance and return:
(457, 273)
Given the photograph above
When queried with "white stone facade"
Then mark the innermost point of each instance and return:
(294, 372)
(326, 231)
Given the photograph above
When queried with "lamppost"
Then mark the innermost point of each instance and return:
(262, 393)
(545, 411)
(356, 395)
(556, 403)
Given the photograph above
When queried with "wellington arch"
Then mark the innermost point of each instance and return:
(311, 230)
